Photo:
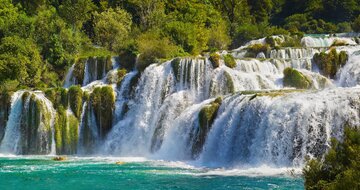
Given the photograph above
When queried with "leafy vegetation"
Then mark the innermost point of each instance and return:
(229, 61)
(340, 169)
(294, 78)
(330, 63)
(41, 39)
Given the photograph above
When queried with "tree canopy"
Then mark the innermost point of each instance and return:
(61, 31)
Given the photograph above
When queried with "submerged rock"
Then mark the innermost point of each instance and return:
(60, 158)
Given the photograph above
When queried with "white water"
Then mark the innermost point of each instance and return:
(157, 118)
(11, 140)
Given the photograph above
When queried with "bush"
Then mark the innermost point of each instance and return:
(152, 46)
(120, 75)
(292, 41)
(229, 61)
(294, 78)
(127, 59)
(20, 60)
(330, 63)
(356, 24)
(341, 166)
(215, 60)
(112, 28)
(255, 49)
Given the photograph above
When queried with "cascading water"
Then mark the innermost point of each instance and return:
(173, 110)
(30, 128)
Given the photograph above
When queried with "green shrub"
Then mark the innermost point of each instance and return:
(291, 41)
(20, 60)
(255, 49)
(341, 167)
(294, 78)
(120, 75)
(271, 41)
(215, 60)
(330, 63)
(127, 59)
(112, 28)
(356, 24)
(229, 61)
(152, 47)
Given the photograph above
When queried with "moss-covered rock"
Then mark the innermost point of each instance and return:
(294, 78)
(58, 96)
(66, 132)
(339, 43)
(35, 127)
(330, 63)
(292, 41)
(229, 83)
(207, 117)
(175, 65)
(104, 65)
(255, 49)
(271, 41)
(229, 61)
(79, 70)
(5, 104)
(215, 60)
(75, 100)
(120, 75)
(103, 103)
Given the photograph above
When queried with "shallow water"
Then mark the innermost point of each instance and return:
(134, 173)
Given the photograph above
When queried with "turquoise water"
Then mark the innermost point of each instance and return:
(133, 173)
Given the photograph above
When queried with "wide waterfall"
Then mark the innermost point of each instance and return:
(190, 109)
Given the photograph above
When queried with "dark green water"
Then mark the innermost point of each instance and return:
(134, 173)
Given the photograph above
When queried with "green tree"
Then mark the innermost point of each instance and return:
(76, 12)
(148, 14)
(112, 28)
(58, 42)
(14, 21)
(260, 9)
(341, 167)
(20, 60)
(152, 46)
(356, 24)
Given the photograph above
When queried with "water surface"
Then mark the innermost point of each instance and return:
(133, 173)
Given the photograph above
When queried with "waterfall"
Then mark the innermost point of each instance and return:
(256, 131)
(190, 109)
(30, 128)
(349, 75)
(69, 79)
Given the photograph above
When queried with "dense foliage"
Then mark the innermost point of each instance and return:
(340, 168)
(40, 39)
